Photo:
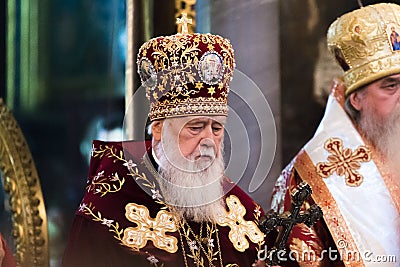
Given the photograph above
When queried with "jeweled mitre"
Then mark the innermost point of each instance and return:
(186, 74)
(366, 44)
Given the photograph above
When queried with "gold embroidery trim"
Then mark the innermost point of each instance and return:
(343, 161)
(188, 106)
(239, 226)
(147, 229)
(113, 226)
(332, 215)
(154, 230)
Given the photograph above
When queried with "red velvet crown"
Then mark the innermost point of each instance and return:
(186, 74)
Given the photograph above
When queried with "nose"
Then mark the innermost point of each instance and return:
(207, 138)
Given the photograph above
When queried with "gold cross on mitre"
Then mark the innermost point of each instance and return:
(184, 20)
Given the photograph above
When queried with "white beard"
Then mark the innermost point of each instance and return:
(384, 134)
(193, 187)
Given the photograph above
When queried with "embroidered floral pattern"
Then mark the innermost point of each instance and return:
(257, 212)
(107, 222)
(154, 229)
(239, 226)
(155, 194)
(82, 207)
(343, 161)
(210, 242)
(105, 184)
(113, 226)
(192, 245)
(149, 229)
(152, 259)
(130, 165)
(93, 150)
(108, 151)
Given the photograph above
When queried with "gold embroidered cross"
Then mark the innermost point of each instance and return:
(239, 226)
(344, 161)
(149, 229)
(184, 21)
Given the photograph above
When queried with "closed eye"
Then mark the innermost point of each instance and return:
(390, 84)
(195, 128)
(217, 129)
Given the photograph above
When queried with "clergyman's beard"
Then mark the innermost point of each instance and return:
(384, 134)
(193, 188)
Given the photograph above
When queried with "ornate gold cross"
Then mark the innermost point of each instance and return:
(184, 20)
(239, 226)
(149, 229)
(344, 161)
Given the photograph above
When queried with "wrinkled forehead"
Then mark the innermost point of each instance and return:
(179, 122)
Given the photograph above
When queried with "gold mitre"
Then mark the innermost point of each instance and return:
(366, 44)
(186, 74)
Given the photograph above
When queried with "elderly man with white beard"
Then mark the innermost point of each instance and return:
(191, 178)
(168, 203)
(352, 162)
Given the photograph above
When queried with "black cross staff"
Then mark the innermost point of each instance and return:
(288, 220)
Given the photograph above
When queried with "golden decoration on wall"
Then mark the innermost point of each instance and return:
(21, 182)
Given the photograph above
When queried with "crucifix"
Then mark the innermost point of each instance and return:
(288, 220)
(184, 20)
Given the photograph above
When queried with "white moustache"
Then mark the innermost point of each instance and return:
(207, 152)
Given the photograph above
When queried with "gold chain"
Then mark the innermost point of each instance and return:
(199, 241)
(219, 247)
(183, 247)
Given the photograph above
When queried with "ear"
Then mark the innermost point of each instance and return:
(356, 100)
(156, 128)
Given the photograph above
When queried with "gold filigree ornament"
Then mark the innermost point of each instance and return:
(366, 44)
(240, 228)
(343, 161)
(149, 229)
(22, 184)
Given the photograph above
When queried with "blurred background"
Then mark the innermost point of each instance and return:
(63, 75)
